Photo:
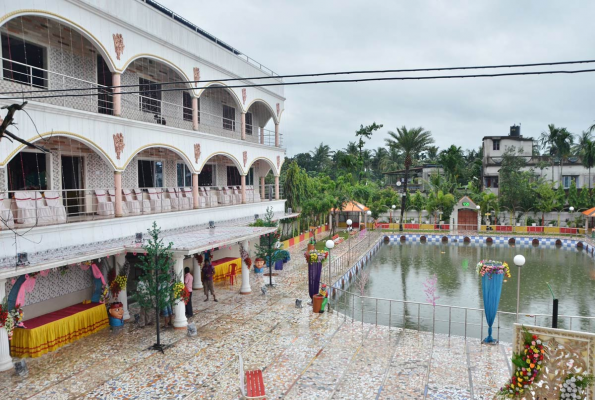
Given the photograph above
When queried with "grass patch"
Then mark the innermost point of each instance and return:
(321, 244)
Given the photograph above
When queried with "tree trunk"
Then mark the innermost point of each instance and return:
(404, 197)
(561, 171)
(589, 179)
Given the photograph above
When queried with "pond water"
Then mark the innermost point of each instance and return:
(399, 270)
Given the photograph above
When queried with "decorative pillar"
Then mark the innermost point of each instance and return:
(195, 113)
(197, 282)
(276, 187)
(118, 189)
(277, 141)
(180, 321)
(243, 181)
(262, 192)
(116, 79)
(195, 190)
(243, 126)
(123, 295)
(5, 358)
(245, 289)
(262, 135)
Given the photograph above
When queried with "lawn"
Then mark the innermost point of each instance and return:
(320, 245)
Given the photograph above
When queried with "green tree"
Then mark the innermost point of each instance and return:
(411, 142)
(587, 154)
(515, 184)
(546, 199)
(452, 162)
(584, 199)
(321, 157)
(155, 289)
(295, 186)
(558, 142)
(364, 132)
(489, 202)
(560, 201)
(418, 202)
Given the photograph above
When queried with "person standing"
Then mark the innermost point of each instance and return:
(209, 272)
(188, 280)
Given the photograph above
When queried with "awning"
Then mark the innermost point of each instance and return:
(590, 212)
(352, 206)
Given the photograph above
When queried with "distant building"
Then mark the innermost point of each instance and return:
(418, 177)
(494, 148)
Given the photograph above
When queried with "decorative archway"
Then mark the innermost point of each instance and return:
(163, 146)
(229, 156)
(256, 104)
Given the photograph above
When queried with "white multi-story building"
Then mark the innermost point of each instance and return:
(144, 119)
(494, 148)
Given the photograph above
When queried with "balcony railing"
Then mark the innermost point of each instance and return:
(19, 79)
(28, 208)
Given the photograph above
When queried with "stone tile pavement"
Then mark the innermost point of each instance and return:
(302, 355)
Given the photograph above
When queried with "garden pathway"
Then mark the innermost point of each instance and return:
(303, 355)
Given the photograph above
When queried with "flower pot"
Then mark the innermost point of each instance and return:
(317, 303)
(311, 247)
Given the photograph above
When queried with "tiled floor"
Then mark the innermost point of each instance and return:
(303, 356)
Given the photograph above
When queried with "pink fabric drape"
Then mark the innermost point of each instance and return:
(26, 287)
(45, 272)
(84, 266)
(97, 273)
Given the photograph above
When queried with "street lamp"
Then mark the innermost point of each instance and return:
(403, 209)
(329, 245)
(368, 213)
(519, 261)
(349, 222)
(391, 213)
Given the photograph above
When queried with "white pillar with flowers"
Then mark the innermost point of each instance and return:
(245, 254)
(123, 295)
(180, 320)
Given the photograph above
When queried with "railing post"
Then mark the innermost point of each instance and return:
(116, 79)
(376, 311)
(390, 303)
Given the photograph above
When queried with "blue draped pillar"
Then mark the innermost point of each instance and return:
(492, 289)
(314, 271)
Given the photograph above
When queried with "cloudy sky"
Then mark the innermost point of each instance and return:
(306, 36)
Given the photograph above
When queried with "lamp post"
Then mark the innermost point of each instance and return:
(349, 222)
(571, 209)
(519, 261)
(329, 245)
(391, 212)
(478, 208)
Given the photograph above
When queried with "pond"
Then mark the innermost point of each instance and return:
(399, 270)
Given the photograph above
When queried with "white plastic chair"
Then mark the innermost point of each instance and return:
(104, 206)
(185, 202)
(25, 208)
(5, 214)
(255, 194)
(223, 196)
(54, 202)
(173, 198)
(214, 195)
(45, 216)
(237, 194)
(112, 197)
(145, 204)
(154, 200)
(201, 200)
(134, 206)
(203, 195)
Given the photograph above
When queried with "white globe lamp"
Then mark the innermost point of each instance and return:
(519, 261)
(329, 244)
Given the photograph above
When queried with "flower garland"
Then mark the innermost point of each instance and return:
(315, 256)
(10, 319)
(528, 366)
(491, 267)
(575, 386)
(185, 295)
(104, 294)
(178, 290)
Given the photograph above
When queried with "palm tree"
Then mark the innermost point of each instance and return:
(321, 156)
(432, 153)
(411, 142)
(558, 141)
(581, 141)
(587, 154)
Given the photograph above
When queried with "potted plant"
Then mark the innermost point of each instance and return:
(312, 244)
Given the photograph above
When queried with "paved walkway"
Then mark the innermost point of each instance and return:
(303, 356)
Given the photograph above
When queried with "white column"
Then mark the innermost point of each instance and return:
(277, 140)
(123, 295)
(245, 289)
(5, 358)
(180, 320)
(243, 121)
(116, 79)
(196, 283)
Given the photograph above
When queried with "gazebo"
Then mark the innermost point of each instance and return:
(351, 210)
(589, 214)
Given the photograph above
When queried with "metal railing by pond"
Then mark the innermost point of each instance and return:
(443, 319)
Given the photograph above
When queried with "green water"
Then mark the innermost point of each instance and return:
(398, 271)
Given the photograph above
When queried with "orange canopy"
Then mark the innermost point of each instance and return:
(352, 206)
(590, 212)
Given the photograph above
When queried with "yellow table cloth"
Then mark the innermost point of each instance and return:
(51, 331)
(222, 267)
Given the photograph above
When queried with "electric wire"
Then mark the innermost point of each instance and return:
(356, 72)
(400, 78)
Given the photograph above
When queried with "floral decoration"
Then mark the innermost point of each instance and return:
(248, 262)
(491, 267)
(10, 319)
(315, 256)
(528, 365)
(179, 288)
(104, 294)
(576, 386)
(185, 295)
